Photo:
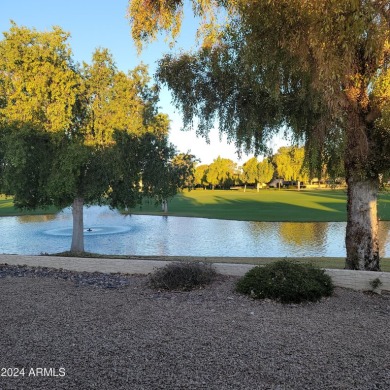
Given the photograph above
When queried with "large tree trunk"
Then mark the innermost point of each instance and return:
(361, 238)
(78, 226)
(362, 227)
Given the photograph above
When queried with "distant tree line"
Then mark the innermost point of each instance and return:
(288, 164)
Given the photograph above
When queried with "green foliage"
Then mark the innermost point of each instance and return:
(200, 175)
(318, 67)
(306, 61)
(183, 276)
(257, 172)
(290, 163)
(117, 101)
(375, 283)
(39, 83)
(265, 171)
(210, 86)
(250, 170)
(125, 168)
(161, 178)
(184, 167)
(221, 172)
(287, 282)
(78, 171)
(28, 158)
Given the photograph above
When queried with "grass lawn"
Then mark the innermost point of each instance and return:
(7, 208)
(266, 205)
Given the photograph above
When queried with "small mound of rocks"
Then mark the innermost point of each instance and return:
(94, 279)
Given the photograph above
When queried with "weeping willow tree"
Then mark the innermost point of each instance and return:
(318, 67)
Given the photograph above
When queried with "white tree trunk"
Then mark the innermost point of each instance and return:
(362, 227)
(78, 226)
(164, 206)
(258, 186)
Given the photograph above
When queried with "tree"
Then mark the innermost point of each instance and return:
(221, 172)
(290, 164)
(184, 164)
(164, 171)
(249, 170)
(257, 172)
(200, 175)
(321, 67)
(265, 171)
(74, 136)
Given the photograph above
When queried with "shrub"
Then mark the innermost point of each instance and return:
(287, 282)
(375, 284)
(183, 276)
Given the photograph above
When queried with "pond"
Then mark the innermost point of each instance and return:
(108, 232)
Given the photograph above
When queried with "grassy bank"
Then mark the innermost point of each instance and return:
(265, 205)
(7, 208)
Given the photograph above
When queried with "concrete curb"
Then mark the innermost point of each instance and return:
(356, 280)
(359, 280)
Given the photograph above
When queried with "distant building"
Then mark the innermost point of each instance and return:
(276, 183)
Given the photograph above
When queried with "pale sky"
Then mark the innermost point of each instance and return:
(103, 23)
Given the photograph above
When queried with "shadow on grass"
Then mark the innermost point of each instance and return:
(220, 206)
(265, 206)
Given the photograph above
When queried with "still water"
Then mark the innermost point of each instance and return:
(112, 233)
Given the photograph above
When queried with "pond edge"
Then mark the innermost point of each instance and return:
(356, 280)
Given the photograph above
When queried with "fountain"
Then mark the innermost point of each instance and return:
(90, 231)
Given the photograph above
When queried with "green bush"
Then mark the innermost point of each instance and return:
(183, 276)
(287, 282)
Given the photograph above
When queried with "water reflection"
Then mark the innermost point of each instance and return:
(384, 239)
(112, 233)
(36, 218)
(299, 234)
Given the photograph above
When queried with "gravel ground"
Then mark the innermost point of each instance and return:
(98, 331)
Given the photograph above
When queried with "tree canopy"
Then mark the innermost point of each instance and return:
(221, 172)
(289, 162)
(38, 80)
(257, 172)
(304, 63)
(200, 175)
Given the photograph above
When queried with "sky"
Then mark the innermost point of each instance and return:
(103, 23)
